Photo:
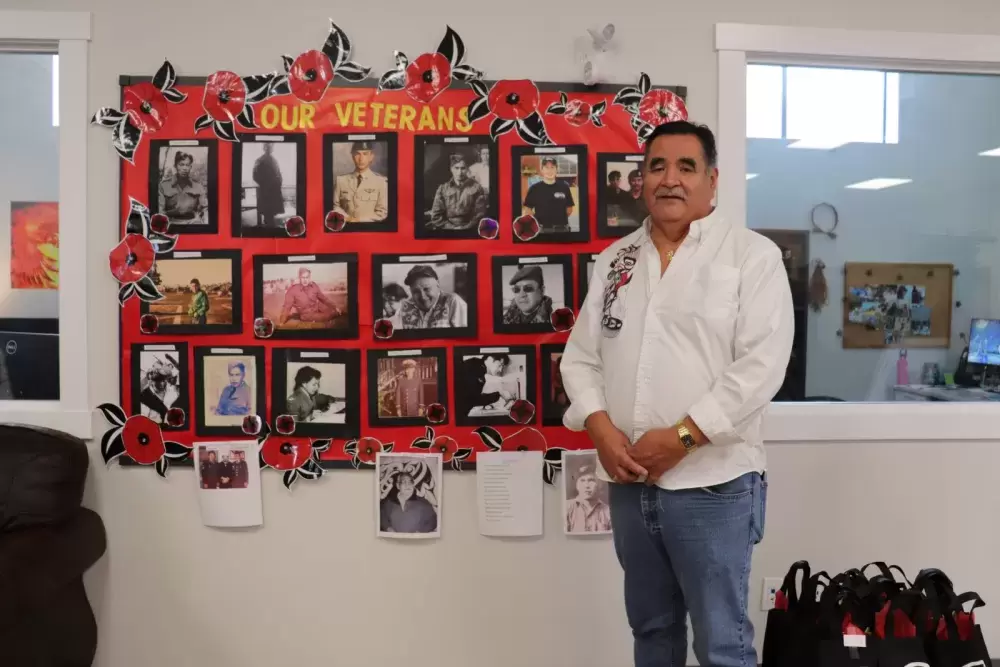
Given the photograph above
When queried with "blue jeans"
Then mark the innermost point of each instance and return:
(688, 552)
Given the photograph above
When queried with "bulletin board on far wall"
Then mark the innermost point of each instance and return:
(897, 305)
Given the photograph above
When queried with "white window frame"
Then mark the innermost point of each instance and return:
(738, 44)
(69, 34)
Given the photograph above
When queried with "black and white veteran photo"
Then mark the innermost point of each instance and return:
(488, 380)
(528, 290)
(408, 495)
(440, 292)
(452, 190)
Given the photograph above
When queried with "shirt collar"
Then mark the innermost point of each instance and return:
(698, 228)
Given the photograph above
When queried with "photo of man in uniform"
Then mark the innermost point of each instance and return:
(460, 202)
(528, 304)
(406, 386)
(587, 510)
(361, 195)
(160, 382)
(550, 200)
(268, 178)
(183, 195)
(305, 295)
(306, 301)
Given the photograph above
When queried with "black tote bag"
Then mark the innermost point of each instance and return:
(778, 631)
(840, 607)
(963, 644)
(898, 646)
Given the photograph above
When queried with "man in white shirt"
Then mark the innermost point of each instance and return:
(682, 342)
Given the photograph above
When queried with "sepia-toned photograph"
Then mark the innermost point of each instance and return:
(585, 263)
(402, 384)
(312, 296)
(160, 381)
(318, 389)
(183, 176)
(527, 290)
(488, 380)
(270, 171)
(201, 292)
(555, 401)
(455, 176)
(224, 466)
(408, 495)
(620, 206)
(359, 174)
(551, 185)
(229, 386)
(585, 497)
(426, 296)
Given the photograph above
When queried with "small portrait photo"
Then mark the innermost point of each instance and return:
(229, 385)
(225, 466)
(319, 389)
(402, 384)
(160, 381)
(201, 290)
(269, 183)
(408, 495)
(183, 184)
(585, 263)
(527, 290)
(360, 180)
(456, 186)
(585, 497)
(620, 207)
(551, 185)
(307, 296)
(489, 379)
(426, 296)
(555, 402)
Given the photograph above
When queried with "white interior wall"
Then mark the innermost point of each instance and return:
(314, 587)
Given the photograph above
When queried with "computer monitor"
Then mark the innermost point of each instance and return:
(984, 342)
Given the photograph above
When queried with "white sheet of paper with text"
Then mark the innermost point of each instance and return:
(510, 493)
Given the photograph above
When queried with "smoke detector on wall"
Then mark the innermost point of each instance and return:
(593, 53)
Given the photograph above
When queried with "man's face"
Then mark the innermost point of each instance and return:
(494, 366)
(484, 155)
(678, 185)
(194, 287)
(460, 172)
(159, 383)
(548, 172)
(635, 184)
(305, 278)
(409, 370)
(184, 168)
(404, 486)
(527, 295)
(586, 486)
(235, 376)
(614, 182)
(424, 292)
(362, 159)
(211, 457)
(268, 148)
(312, 386)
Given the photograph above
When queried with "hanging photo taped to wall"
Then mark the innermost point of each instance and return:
(555, 401)
(359, 181)
(426, 296)
(184, 184)
(456, 186)
(550, 184)
(202, 292)
(319, 389)
(489, 380)
(160, 380)
(527, 290)
(229, 386)
(403, 384)
(269, 184)
(307, 296)
(620, 207)
(585, 263)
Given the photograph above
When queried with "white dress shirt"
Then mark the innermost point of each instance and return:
(709, 339)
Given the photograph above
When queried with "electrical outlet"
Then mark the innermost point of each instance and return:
(768, 592)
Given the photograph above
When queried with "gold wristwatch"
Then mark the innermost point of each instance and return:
(686, 438)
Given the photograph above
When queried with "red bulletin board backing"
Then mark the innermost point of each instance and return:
(359, 109)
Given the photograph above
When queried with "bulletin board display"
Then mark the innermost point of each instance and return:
(367, 269)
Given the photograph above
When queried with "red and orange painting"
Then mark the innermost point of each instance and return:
(34, 245)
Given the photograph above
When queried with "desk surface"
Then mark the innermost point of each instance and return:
(946, 392)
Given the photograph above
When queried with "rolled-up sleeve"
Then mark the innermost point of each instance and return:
(765, 327)
(581, 366)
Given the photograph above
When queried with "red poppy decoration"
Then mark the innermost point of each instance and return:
(522, 411)
(334, 221)
(263, 327)
(138, 438)
(514, 106)
(144, 109)
(284, 424)
(133, 261)
(562, 319)
(295, 226)
(252, 424)
(148, 324)
(650, 108)
(436, 413)
(364, 451)
(383, 329)
(489, 228)
(309, 75)
(444, 445)
(159, 224)
(295, 457)
(577, 112)
(430, 74)
(525, 440)
(175, 418)
(228, 100)
(526, 228)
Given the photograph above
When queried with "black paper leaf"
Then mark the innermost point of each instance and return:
(280, 86)
(466, 73)
(644, 83)
(202, 122)
(429, 433)
(337, 46)
(456, 464)
(175, 451)
(138, 218)
(556, 109)
(596, 120)
(387, 447)
(162, 244)
(258, 87)
(554, 456)
(113, 413)
(321, 445)
(644, 132)
(500, 126)
(165, 77)
(392, 80)
(125, 138)
(289, 478)
(107, 117)
(481, 89)
(462, 454)
(401, 60)
(421, 443)
(311, 469)
(162, 465)
(627, 97)
(146, 289)
(479, 108)
(247, 118)
(548, 473)
(287, 61)
(356, 463)
(112, 445)
(225, 130)
(599, 109)
(490, 437)
(532, 130)
(452, 47)
(351, 447)
(175, 96)
(563, 98)
(125, 293)
(352, 71)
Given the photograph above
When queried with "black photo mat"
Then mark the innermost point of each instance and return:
(584, 261)
(385, 368)
(168, 356)
(438, 150)
(521, 156)
(258, 392)
(507, 264)
(205, 173)
(175, 270)
(552, 412)
(518, 378)
(325, 269)
(241, 202)
(625, 164)
(389, 171)
(283, 386)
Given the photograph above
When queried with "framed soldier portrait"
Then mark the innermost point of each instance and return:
(160, 379)
(229, 386)
(585, 263)
(359, 182)
(455, 185)
(269, 184)
(489, 380)
(620, 207)
(319, 389)
(527, 290)
(549, 184)
(202, 292)
(404, 386)
(184, 184)
(555, 401)
(307, 297)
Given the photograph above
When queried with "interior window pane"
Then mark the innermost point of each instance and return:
(764, 100)
(834, 104)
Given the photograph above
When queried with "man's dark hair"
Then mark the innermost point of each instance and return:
(704, 135)
(614, 176)
(305, 374)
(181, 156)
(195, 281)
